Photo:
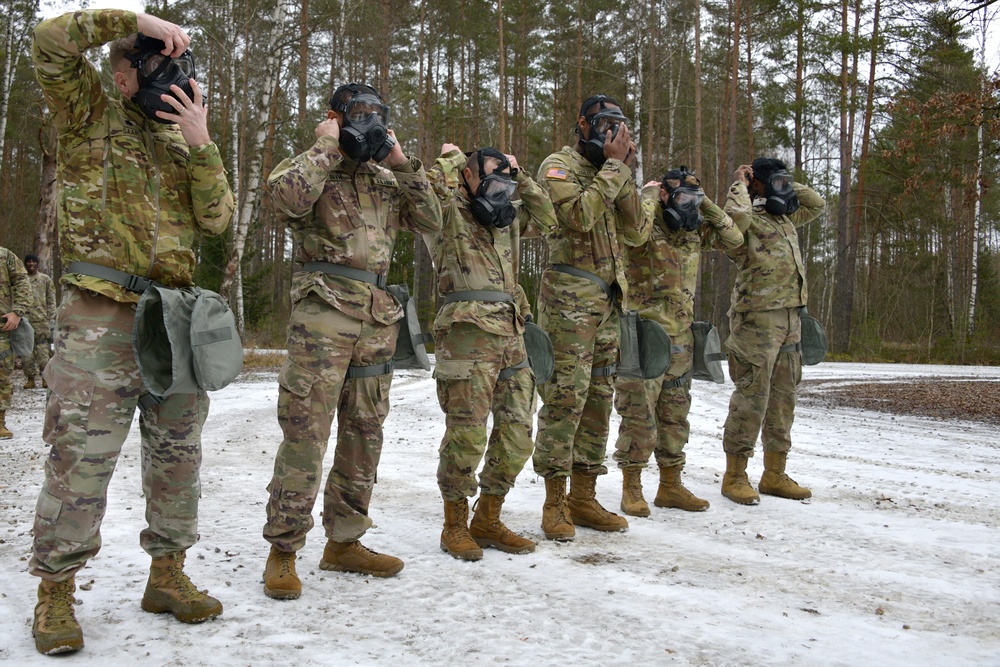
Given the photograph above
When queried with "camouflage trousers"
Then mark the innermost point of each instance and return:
(313, 385)
(39, 357)
(655, 412)
(6, 369)
(573, 423)
(764, 399)
(467, 369)
(94, 387)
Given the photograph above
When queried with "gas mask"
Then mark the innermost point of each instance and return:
(602, 121)
(157, 73)
(779, 194)
(365, 135)
(682, 211)
(490, 204)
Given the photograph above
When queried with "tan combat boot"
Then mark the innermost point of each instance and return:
(455, 537)
(5, 434)
(55, 628)
(673, 493)
(735, 484)
(170, 590)
(356, 557)
(584, 509)
(633, 503)
(774, 481)
(556, 523)
(280, 580)
(30, 384)
(488, 530)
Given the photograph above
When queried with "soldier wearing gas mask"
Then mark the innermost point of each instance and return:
(481, 361)
(344, 200)
(765, 330)
(599, 213)
(663, 277)
(139, 178)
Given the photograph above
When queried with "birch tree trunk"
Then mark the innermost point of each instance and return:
(232, 282)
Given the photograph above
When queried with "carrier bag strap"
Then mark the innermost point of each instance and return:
(376, 279)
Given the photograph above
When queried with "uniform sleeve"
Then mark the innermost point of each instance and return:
(576, 207)
(535, 213)
(50, 299)
(811, 205)
(70, 84)
(22, 296)
(445, 175)
(721, 232)
(636, 227)
(211, 196)
(651, 208)
(297, 183)
(738, 206)
(420, 210)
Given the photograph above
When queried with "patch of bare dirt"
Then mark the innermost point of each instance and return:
(974, 400)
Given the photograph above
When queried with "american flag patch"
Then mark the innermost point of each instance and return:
(556, 173)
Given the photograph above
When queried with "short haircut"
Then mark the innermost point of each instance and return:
(119, 48)
(763, 167)
(597, 99)
(31, 257)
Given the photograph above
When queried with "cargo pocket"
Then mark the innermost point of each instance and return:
(69, 382)
(48, 507)
(454, 369)
(296, 379)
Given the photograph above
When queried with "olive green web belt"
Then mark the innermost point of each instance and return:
(129, 281)
(791, 347)
(377, 279)
(580, 273)
(489, 296)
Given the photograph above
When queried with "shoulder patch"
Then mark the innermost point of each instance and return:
(556, 174)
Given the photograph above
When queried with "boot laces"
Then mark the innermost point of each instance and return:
(285, 560)
(60, 609)
(182, 583)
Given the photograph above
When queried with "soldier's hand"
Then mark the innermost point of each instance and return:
(617, 148)
(191, 116)
(447, 148)
(651, 183)
(10, 322)
(630, 158)
(513, 162)
(396, 156)
(328, 128)
(173, 36)
(743, 173)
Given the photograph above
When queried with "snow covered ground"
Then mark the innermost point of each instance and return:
(895, 561)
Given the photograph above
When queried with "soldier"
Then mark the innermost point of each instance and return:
(139, 176)
(763, 346)
(599, 213)
(344, 210)
(15, 300)
(40, 317)
(481, 363)
(663, 277)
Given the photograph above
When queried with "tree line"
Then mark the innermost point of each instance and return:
(888, 109)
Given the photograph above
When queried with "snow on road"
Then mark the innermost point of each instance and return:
(895, 561)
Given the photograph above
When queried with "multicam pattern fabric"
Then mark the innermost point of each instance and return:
(347, 213)
(133, 194)
(40, 317)
(15, 297)
(763, 402)
(475, 340)
(343, 212)
(770, 270)
(599, 214)
(663, 276)
(94, 387)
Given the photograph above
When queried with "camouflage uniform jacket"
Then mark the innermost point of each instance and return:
(15, 290)
(349, 213)
(45, 300)
(663, 272)
(599, 213)
(470, 256)
(132, 192)
(771, 274)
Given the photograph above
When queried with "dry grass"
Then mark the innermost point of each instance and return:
(263, 360)
(973, 400)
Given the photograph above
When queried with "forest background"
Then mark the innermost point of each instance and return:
(890, 109)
